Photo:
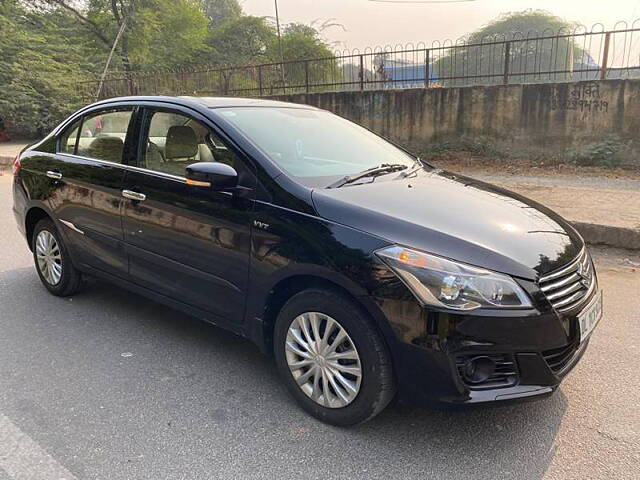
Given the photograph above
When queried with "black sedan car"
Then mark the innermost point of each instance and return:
(364, 271)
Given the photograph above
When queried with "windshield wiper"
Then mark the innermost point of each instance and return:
(373, 172)
(417, 165)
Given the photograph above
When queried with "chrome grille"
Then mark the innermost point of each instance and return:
(569, 286)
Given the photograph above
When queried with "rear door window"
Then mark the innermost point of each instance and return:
(103, 134)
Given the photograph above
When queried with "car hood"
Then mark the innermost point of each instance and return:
(459, 218)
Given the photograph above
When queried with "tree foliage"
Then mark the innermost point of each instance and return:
(48, 46)
(167, 34)
(41, 61)
(482, 52)
(240, 41)
(535, 22)
(220, 11)
(300, 42)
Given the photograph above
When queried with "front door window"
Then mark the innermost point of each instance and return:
(174, 141)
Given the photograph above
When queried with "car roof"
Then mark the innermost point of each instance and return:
(209, 102)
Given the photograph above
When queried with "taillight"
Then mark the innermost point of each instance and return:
(16, 165)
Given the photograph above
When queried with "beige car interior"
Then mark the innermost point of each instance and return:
(171, 149)
(106, 148)
(173, 141)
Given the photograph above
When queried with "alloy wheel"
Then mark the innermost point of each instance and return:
(323, 360)
(49, 257)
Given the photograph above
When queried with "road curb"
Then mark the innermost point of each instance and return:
(618, 237)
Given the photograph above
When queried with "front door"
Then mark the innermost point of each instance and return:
(187, 242)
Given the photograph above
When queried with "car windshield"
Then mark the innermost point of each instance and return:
(315, 146)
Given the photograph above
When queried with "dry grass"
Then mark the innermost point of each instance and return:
(462, 161)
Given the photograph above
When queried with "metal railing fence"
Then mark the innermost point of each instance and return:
(579, 54)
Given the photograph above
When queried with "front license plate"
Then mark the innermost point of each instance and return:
(590, 317)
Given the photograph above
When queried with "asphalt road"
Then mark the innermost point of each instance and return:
(107, 385)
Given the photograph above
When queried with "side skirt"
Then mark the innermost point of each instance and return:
(163, 299)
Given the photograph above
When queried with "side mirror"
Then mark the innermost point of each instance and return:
(215, 175)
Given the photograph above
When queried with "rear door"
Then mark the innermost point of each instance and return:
(187, 242)
(88, 174)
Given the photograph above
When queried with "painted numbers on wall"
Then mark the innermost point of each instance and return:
(584, 97)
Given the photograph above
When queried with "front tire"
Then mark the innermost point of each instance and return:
(332, 358)
(52, 260)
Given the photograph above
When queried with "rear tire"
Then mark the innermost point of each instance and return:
(324, 341)
(52, 260)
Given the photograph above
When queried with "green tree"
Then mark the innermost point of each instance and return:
(312, 59)
(101, 20)
(239, 41)
(40, 64)
(301, 42)
(156, 33)
(478, 55)
(251, 40)
(52, 50)
(243, 40)
(49, 47)
(219, 11)
(167, 34)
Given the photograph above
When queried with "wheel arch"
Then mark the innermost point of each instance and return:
(33, 216)
(287, 287)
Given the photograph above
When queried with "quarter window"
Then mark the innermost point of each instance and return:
(174, 141)
(69, 139)
(103, 134)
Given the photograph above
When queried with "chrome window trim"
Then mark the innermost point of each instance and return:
(127, 167)
(168, 176)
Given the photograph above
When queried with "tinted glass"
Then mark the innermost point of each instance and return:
(102, 135)
(175, 141)
(310, 143)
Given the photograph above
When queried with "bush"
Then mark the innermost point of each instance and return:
(603, 154)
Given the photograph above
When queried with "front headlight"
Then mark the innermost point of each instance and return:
(447, 284)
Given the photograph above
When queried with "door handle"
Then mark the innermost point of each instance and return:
(53, 174)
(131, 195)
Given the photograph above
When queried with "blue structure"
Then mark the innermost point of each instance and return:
(403, 74)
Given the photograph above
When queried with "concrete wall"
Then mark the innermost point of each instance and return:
(537, 120)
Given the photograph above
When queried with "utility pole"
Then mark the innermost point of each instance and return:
(113, 49)
(280, 47)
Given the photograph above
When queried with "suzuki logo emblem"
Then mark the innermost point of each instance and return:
(585, 278)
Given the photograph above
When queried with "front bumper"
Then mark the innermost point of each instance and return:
(535, 350)
(435, 379)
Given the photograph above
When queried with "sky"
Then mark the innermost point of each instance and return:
(369, 23)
